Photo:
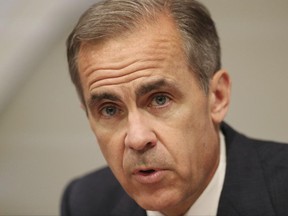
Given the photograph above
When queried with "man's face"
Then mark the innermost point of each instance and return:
(151, 119)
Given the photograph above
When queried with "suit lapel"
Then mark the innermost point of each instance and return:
(244, 191)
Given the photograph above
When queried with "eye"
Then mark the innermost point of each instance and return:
(159, 100)
(109, 111)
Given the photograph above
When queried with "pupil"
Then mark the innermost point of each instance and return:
(110, 110)
(161, 100)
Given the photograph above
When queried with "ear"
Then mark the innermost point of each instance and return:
(82, 106)
(220, 88)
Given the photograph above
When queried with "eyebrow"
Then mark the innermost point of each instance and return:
(152, 86)
(97, 98)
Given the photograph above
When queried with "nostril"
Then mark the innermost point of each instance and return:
(148, 146)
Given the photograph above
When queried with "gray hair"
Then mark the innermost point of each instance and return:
(109, 18)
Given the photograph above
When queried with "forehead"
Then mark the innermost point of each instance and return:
(147, 51)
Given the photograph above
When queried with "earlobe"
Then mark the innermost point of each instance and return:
(220, 88)
(83, 107)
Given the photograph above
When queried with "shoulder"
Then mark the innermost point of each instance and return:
(257, 168)
(97, 181)
(94, 193)
(265, 149)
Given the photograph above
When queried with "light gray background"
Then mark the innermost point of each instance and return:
(45, 139)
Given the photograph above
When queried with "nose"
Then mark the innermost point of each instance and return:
(139, 136)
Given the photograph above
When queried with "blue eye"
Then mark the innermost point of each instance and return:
(160, 100)
(109, 111)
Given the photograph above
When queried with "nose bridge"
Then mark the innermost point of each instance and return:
(140, 134)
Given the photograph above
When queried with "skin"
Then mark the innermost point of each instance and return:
(147, 111)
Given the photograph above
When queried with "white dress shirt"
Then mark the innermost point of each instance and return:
(207, 203)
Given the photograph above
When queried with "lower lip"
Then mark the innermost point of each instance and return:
(151, 178)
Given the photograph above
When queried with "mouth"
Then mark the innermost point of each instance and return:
(148, 175)
(146, 172)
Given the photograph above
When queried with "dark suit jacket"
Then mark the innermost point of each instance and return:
(256, 183)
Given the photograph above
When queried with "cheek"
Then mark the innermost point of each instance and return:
(112, 150)
(185, 138)
(111, 145)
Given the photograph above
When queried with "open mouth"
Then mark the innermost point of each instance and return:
(149, 175)
(147, 172)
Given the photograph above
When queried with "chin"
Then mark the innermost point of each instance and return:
(158, 201)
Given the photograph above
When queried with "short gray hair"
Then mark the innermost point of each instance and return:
(110, 18)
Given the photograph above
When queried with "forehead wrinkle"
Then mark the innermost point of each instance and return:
(113, 65)
(111, 77)
(93, 52)
(158, 47)
(116, 73)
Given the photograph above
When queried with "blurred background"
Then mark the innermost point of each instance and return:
(45, 139)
